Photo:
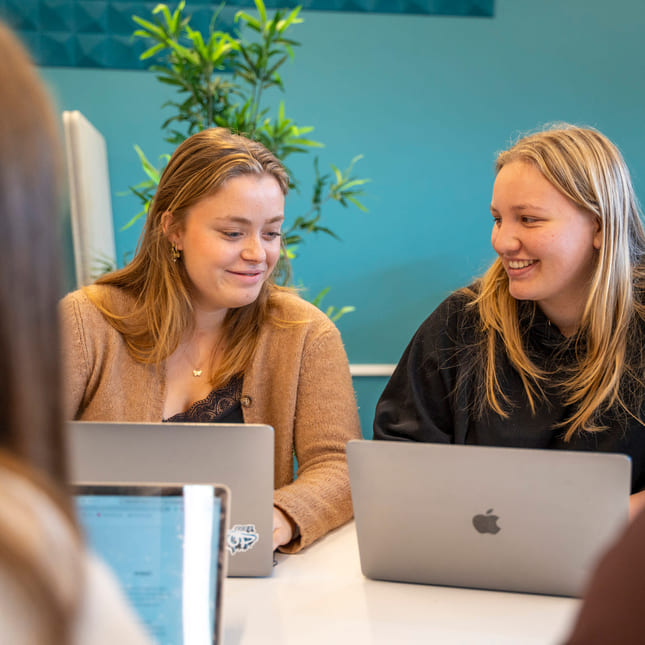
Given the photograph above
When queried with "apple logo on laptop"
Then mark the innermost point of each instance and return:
(486, 523)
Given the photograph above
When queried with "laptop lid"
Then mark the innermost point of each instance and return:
(166, 547)
(237, 455)
(494, 518)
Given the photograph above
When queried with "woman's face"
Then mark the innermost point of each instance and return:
(546, 243)
(230, 242)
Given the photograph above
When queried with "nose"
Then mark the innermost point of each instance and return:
(254, 250)
(505, 238)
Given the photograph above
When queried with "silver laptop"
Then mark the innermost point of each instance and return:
(494, 518)
(239, 456)
(166, 545)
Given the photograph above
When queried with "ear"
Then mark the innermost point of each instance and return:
(597, 238)
(168, 229)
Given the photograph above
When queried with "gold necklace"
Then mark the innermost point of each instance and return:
(197, 371)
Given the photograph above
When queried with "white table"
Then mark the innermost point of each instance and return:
(321, 596)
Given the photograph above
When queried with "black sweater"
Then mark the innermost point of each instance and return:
(431, 393)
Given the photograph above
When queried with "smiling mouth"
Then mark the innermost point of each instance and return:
(520, 264)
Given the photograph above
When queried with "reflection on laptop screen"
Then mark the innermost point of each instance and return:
(163, 545)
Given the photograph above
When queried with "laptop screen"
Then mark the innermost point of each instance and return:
(165, 546)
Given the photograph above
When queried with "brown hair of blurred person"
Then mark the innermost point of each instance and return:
(30, 169)
(32, 454)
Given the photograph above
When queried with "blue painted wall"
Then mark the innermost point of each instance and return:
(428, 101)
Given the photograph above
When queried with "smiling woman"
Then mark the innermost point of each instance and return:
(546, 350)
(230, 242)
(194, 329)
(547, 244)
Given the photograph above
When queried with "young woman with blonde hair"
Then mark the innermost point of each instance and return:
(195, 329)
(546, 349)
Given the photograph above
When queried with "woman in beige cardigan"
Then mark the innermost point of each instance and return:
(194, 329)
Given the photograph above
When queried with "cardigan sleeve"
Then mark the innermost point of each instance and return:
(76, 363)
(326, 418)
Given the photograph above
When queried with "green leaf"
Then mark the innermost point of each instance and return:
(152, 30)
(354, 182)
(135, 219)
(307, 142)
(248, 19)
(148, 168)
(319, 298)
(259, 5)
(338, 173)
(358, 204)
(152, 51)
(348, 309)
(176, 17)
(166, 12)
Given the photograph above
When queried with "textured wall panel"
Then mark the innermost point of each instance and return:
(97, 33)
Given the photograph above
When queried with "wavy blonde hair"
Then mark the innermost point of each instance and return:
(160, 288)
(589, 170)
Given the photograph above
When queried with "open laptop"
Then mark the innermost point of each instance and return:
(166, 547)
(494, 518)
(239, 456)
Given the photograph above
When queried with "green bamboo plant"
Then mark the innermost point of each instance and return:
(221, 80)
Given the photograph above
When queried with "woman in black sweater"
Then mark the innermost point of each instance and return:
(546, 349)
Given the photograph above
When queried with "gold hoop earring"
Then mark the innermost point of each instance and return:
(175, 253)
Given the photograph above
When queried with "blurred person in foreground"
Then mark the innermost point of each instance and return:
(52, 590)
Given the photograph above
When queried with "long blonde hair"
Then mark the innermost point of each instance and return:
(590, 171)
(162, 308)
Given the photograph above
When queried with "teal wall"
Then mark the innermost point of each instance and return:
(428, 101)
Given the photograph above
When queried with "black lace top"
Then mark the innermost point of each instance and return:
(220, 406)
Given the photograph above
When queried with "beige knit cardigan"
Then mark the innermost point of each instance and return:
(299, 383)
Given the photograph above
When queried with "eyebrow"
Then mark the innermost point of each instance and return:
(244, 220)
(520, 208)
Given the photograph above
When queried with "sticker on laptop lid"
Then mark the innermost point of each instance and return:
(241, 538)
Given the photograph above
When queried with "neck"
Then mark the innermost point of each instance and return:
(566, 318)
(208, 323)
(199, 346)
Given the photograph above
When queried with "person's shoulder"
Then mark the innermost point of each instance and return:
(104, 615)
(32, 508)
(76, 298)
(288, 307)
(86, 299)
(454, 311)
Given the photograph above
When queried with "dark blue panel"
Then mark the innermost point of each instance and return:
(96, 33)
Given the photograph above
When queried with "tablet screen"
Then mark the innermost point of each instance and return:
(165, 545)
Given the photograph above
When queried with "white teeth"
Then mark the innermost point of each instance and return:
(520, 264)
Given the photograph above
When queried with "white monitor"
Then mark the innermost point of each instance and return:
(89, 198)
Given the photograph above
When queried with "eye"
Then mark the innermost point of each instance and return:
(497, 220)
(527, 219)
(273, 235)
(232, 235)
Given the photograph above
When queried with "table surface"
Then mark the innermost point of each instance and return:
(321, 596)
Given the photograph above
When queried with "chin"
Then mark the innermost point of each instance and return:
(237, 303)
(520, 293)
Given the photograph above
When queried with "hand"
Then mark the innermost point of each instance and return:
(282, 528)
(636, 504)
